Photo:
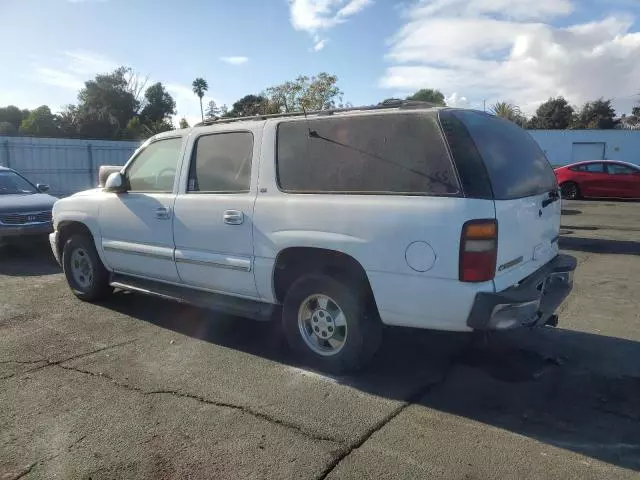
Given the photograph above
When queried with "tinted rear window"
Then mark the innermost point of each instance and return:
(387, 154)
(516, 165)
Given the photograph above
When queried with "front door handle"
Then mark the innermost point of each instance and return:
(163, 213)
(233, 217)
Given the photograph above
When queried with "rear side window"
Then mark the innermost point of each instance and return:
(617, 169)
(516, 165)
(221, 163)
(384, 154)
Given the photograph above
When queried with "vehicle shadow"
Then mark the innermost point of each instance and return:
(599, 245)
(28, 260)
(574, 390)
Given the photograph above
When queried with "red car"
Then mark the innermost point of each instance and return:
(599, 178)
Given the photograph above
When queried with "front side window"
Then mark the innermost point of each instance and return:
(384, 154)
(594, 168)
(617, 169)
(154, 168)
(221, 163)
(12, 184)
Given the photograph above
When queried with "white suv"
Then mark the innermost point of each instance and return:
(336, 222)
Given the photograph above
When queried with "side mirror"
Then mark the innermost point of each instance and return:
(116, 182)
(42, 187)
(105, 171)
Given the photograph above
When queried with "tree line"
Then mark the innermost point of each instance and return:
(120, 105)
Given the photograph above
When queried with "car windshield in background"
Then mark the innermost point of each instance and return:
(385, 154)
(516, 165)
(11, 184)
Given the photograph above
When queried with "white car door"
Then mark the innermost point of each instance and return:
(136, 226)
(213, 221)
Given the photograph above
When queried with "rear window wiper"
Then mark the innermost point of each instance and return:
(554, 196)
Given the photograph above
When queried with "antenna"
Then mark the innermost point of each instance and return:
(306, 119)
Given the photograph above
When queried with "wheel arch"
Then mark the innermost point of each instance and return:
(293, 262)
(68, 227)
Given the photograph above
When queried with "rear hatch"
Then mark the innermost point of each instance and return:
(498, 159)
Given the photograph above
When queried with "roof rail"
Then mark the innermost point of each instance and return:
(392, 103)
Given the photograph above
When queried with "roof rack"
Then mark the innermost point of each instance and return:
(392, 103)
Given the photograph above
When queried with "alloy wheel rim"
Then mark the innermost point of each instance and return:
(81, 268)
(322, 324)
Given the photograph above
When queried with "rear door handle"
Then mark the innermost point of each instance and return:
(163, 213)
(233, 217)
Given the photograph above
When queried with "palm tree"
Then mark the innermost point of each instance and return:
(505, 110)
(508, 111)
(199, 87)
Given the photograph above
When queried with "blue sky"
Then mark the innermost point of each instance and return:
(473, 50)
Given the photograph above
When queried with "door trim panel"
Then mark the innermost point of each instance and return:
(154, 251)
(208, 259)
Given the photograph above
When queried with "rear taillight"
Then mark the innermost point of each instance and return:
(478, 250)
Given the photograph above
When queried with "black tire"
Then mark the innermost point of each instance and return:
(570, 190)
(98, 287)
(363, 327)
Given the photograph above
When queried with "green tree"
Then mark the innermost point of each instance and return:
(8, 128)
(136, 129)
(428, 95)
(68, 121)
(212, 110)
(199, 87)
(554, 114)
(158, 104)
(184, 123)
(13, 115)
(249, 106)
(319, 92)
(105, 105)
(597, 115)
(508, 111)
(40, 122)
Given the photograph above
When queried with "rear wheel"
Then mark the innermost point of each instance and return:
(570, 190)
(330, 323)
(86, 275)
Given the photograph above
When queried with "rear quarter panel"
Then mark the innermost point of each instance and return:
(376, 230)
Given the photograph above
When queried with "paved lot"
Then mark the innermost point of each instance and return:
(143, 388)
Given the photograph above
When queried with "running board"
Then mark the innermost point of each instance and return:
(241, 307)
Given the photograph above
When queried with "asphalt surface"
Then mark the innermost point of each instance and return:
(143, 388)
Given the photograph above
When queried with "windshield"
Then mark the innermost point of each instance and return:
(11, 183)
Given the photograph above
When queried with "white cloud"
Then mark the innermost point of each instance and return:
(71, 69)
(235, 60)
(319, 44)
(497, 49)
(315, 16)
(455, 100)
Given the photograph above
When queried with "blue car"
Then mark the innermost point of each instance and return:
(25, 208)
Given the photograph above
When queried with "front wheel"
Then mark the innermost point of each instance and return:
(85, 273)
(570, 191)
(331, 324)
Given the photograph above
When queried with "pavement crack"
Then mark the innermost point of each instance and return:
(49, 363)
(241, 408)
(250, 411)
(412, 399)
(22, 362)
(25, 471)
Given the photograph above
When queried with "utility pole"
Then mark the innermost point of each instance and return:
(484, 106)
